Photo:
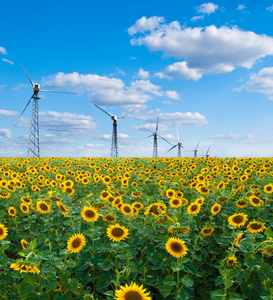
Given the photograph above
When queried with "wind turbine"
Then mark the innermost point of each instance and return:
(34, 142)
(179, 145)
(195, 150)
(114, 146)
(155, 135)
(207, 153)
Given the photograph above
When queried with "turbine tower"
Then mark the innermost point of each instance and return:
(195, 150)
(179, 145)
(155, 135)
(114, 145)
(34, 140)
(207, 153)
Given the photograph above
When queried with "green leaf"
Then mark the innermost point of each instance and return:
(27, 286)
(49, 282)
(72, 285)
(234, 296)
(217, 295)
(64, 276)
(33, 244)
(46, 255)
(251, 291)
(108, 293)
(165, 290)
(246, 245)
(268, 233)
(187, 281)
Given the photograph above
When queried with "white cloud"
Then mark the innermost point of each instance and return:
(94, 145)
(8, 61)
(106, 91)
(63, 123)
(8, 113)
(270, 8)
(261, 82)
(172, 95)
(207, 8)
(241, 7)
(205, 50)
(142, 74)
(171, 119)
(50, 139)
(5, 133)
(193, 19)
(2, 86)
(103, 137)
(167, 102)
(143, 24)
(3, 51)
(18, 87)
(232, 137)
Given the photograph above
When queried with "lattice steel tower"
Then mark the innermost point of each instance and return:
(114, 145)
(34, 140)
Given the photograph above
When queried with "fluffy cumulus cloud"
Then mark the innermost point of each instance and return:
(261, 82)
(170, 119)
(203, 50)
(3, 51)
(61, 124)
(8, 61)
(5, 133)
(241, 7)
(106, 91)
(207, 8)
(270, 8)
(143, 24)
(7, 113)
(142, 74)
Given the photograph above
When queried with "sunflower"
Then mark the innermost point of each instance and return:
(203, 190)
(170, 193)
(26, 200)
(12, 211)
(138, 205)
(117, 233)
(76, 243)
(127, 209)
(255, 227)
(239, 238)
(241, 203)
(215, 208)
(230, 262)
(176, 247)
(131, 292)
(43, 207)
(255, 201)
(3, 231)
(89, 214)
(68, 190)
(117, 201)
(268, 189)
(62, 208)
(109, 218)
(194, 208)
(24, 244)
(237, 220)
(175, 202)
(24, 208)
(207, 231)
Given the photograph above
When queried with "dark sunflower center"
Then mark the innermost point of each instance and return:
(137, 206)
(62, 208)
(207, 230)
(269, 188)
(24, 268)
(111, 199)
(24, 245)
(132, 295)
(117, 232)
(255, 226)
(176, 247)
(176, 202)
(89, 213)
(12, 211)
(194, 207)
(238, 219)
(76, 243)
(1, 231)
(43, 206)
(216, 208)
(170, 194)
(110, 218)
(255, 200)
(241, 202)
(127, 209)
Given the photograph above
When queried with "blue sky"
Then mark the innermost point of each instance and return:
(203, 67)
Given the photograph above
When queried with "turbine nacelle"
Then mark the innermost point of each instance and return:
(36, 88)
(114, 118)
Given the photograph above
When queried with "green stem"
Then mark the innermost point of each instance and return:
(257, 248)
(178, 271)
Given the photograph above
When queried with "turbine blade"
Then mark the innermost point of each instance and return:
(197, 145)
(157, 124)
(177, 135)
(164, 139)
(104, 111)
(208, 150)
(172, 148)
(148, 136)
(27, 75)
(129, 112)
(57, 92)
(24, 110)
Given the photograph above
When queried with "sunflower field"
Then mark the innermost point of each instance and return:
(136, 228)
